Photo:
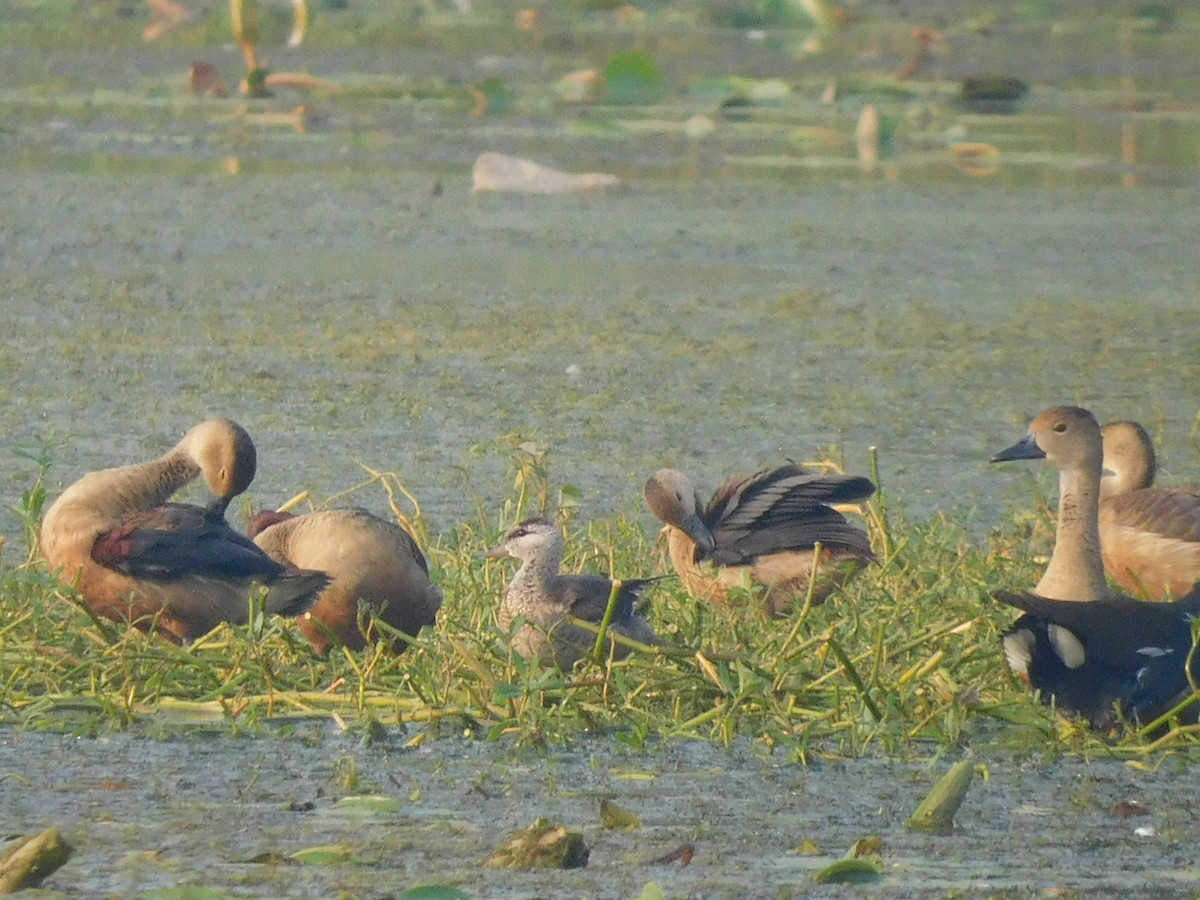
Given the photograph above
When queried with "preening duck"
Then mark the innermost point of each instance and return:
(135, 557)
(760, 531)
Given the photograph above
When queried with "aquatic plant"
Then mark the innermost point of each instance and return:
(905, 660)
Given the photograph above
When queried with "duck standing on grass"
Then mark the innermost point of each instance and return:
(1087, 648)
(546, 599)
(134, 557)
(372, 562)
(761, 531)
(1149, 536)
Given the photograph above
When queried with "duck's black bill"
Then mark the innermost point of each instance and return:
(1023, 449)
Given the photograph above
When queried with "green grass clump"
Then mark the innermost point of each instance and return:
(906, 660)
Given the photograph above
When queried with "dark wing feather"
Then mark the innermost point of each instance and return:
(587, 596)
(783, 509)
(1116, 631)
(177, 540)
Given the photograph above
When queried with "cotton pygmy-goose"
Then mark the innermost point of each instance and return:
(544, 598)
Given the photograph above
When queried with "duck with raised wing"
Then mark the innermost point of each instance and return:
(135, 557)
(545, 600)
(760, 531)
(374, 563)
(1082, 645)
(1149, 536)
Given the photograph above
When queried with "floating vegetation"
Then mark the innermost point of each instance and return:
(936, 812)
(543, 845)
(31, 860)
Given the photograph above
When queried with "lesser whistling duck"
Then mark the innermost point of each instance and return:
(1149, 536)
(544, 597)
(135, 557)
(371, 560)
(1068, 438)
(761, 529)
(1108, 657)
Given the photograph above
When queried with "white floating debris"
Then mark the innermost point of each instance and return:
(1146, 831)
(498, 172)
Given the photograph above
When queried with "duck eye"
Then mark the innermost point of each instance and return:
(1060, 427)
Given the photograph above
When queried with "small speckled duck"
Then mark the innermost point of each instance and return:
(760, 530)
(1087, 648)
(371, 560)
(545, 598)
(1149, 536)
(137, 558)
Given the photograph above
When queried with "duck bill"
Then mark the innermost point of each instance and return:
(496, 552)
(1023, 449)
(698, 532)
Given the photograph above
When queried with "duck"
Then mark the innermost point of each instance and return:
(177, 568)
(543, 599)
(1068, 438)
(370, 560)
(1083, 646)
(760, 531)
(1149, 536)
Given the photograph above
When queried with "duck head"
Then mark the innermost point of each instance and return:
(1068, 437)
(533, 537)
(226, 456)
(674, 500)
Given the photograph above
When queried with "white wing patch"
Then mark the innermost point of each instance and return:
(1066, 646)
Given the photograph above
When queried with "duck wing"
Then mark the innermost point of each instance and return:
(587, 596)
(783, 509)
(178, 540)
(1123, 632)
(1170, 512)
(1099, 657)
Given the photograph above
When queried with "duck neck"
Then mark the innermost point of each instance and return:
(538, 570)
(1076, 570)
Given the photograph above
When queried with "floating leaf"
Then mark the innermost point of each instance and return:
(368, 806)
(614, 816)
(321, 856)
(633, 77)
(433, 892)
(682, 854)
(936, 812)
(652, 892)
(850, 871)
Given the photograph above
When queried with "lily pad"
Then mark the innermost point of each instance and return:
(433, 892)
(633, 77)
(850, 871)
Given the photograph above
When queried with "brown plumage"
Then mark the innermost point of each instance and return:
(1068, 438)
(136, 557)
(759, 532)
(371, 560)
(544, 598)
(1087, 647)
(1149, 536)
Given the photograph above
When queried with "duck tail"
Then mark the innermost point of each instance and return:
(295, 590)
